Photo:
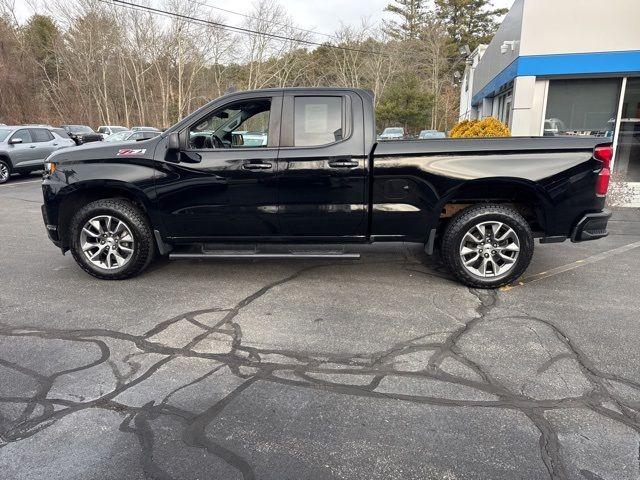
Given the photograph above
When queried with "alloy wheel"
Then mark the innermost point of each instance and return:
(4, 172)
(107, 242)
(489, 249)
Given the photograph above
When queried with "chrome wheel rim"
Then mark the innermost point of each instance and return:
(107, 242)
(4, 172)
(489, 249)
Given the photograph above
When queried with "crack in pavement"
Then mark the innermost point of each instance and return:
(326, 371)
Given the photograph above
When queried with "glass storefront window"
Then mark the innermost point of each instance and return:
(582, 107)
(627, 161)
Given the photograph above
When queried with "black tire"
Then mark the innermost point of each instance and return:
(5, 166)
(134, 218)
(463, 222)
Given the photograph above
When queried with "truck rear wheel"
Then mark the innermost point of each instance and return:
(487, 246)
(111, 239)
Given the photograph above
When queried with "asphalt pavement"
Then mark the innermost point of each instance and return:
(381, 368)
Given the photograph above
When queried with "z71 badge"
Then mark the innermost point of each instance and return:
(127, 152)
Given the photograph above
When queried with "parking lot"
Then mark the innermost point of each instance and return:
(373, 369)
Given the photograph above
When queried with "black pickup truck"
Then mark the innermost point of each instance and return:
(298, 173)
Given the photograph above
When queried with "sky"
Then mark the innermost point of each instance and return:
(324, 16)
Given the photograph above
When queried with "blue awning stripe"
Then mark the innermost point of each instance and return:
(597, 63)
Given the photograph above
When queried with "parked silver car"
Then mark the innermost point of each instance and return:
(106, 130)
(392, 133)
(427, 134)
(130, 135)
(23, 149)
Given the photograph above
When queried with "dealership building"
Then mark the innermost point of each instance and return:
(563, 67)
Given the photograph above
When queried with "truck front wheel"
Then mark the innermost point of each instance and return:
(111, 239)
(487, 246)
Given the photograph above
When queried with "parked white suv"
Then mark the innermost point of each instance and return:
(106, 130)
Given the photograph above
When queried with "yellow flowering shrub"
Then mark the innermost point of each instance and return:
(487, 127)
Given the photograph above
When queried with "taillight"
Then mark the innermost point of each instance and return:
(605, 155)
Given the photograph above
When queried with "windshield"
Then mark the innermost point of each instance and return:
(4, 133)
(118, 137)
(79, 129)
(393, 130)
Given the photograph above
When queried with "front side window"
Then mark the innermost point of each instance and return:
(318, 121)
(582, 107)
(242, 124)
(23, 134)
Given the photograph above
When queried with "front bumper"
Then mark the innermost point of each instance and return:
(52, 229)
(591, 227)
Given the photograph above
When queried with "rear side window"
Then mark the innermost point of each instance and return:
(102, 130)
(318, 121)
(41, 135)
(60, 132)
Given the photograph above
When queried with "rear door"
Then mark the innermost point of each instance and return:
(322, 165)
(45, 142)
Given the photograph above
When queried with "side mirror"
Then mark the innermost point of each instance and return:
(173, 142)
(14, 141)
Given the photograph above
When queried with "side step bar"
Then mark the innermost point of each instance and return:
(262, 251)
(177, 256)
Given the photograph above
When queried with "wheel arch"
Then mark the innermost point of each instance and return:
(80, 194)
(4, 156)
(527, 197)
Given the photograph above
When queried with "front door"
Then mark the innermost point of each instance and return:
(225, 183)
(25, 153)
(322, 166)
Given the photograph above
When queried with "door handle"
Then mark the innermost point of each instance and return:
(32, 146)
(343, 163)
(257, 166)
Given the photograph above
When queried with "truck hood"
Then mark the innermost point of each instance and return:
(90, 152)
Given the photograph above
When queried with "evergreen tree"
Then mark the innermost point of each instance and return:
(41, 37)
(412, 14)
(405, 104)
(469, 22)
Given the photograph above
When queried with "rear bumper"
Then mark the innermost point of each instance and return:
(591, 227)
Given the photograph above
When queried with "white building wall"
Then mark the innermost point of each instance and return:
(467, 111)
(493, 60)
(579, 26)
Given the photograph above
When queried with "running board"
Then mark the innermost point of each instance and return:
(263, 251)
(178, 256)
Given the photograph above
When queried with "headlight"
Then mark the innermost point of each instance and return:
(49, 168)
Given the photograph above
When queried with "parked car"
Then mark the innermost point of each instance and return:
(24, 149)
(106, 130)
(427, 134)
(251, 139)
(392, 133)
(153, 129)
(81, 134)
(130, 135)
(323, 182)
